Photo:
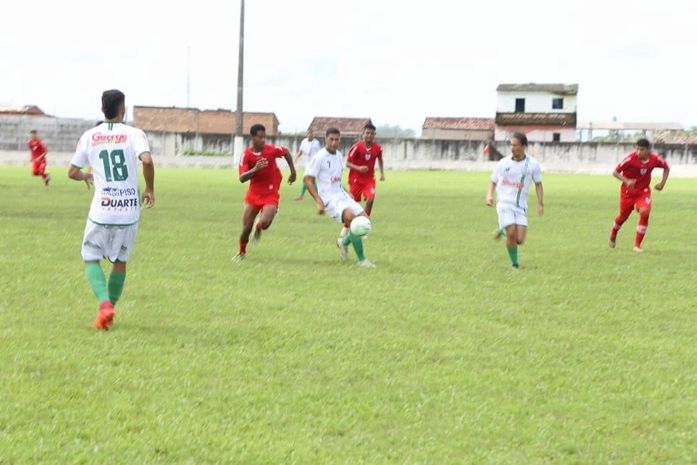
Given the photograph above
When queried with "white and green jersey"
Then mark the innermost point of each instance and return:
(513, 179)
(113, 150)
(326, 168)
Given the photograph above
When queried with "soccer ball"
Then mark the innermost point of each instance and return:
(361, 225)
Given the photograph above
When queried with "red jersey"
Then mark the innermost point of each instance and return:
(268, 180)
(632, 167)
(361, 155)
(37, 148)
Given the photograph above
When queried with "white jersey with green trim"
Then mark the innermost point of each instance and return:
(513, 179)
(326, 168)
(113, 150)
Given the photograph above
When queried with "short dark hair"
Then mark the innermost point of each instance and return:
(111, 102)
(332, 131)
(369, 125)
(643, 142)
(256, 128)
(33, 131)
(522, 138)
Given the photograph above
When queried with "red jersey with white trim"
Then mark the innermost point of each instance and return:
(268, 179)
(633, 167)
(361, 155)
(37, 148)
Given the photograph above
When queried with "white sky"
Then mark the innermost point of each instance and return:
(395, 61)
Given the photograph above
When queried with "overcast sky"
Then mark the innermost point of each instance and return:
(395, 61)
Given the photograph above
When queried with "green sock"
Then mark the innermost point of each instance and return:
(357, 245)
(116, 280)
(303, 190)
(97, 281)
(513, 253)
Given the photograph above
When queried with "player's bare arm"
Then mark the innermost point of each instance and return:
(289, 160)
(310, 185)
(382, 169)
(490, 194)
(662, 184)
(77, 174)
(149, 175)
(540, 198)
(261, 164)
(360, 169)
(627, 181)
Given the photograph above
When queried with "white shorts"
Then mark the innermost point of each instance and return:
(110, 242)
(336, 205)
(510, 214)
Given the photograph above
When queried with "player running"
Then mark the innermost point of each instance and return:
(330, 196)
(635, 173)
(112, 149)
(38, 157)
(361, 164)
(511, 179)
(258, 166)
(308, 147)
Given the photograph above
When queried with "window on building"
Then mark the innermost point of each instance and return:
(557, 104)
(556, 137)
(520, 105)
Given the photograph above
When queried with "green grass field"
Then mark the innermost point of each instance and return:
(441, 355)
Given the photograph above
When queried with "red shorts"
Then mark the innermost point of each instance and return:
(364, 189)
(636, 202)
(38, 167)
(259, 201)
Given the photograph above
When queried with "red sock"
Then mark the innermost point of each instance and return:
(619, 221)
(641, 229)
(243, 247)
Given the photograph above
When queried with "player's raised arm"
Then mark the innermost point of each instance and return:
(149, 175)
(246, 175)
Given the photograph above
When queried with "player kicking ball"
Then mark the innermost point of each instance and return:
(325, 172)
(635, 173)
(258, 166)
(112, 149)
(511, 179)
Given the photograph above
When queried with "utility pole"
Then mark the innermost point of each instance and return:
(238, 145)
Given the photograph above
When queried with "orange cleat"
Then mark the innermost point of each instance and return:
(105, 317)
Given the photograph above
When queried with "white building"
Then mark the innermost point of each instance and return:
(544, 112)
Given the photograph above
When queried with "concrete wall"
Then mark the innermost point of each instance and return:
(59, 134)
(535, 102)
(457, 134)
(402, 154)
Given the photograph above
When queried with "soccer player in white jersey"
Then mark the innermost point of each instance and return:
(308, 147)
(511, 180)
(325, 173)
(112, 149)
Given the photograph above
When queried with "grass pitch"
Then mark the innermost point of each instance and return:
(440, 355)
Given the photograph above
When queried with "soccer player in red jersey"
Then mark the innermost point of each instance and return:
(38, 157)
(361, 164)
(258, 166)
(635, 173)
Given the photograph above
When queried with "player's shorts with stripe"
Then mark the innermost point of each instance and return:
(259, 201)
(510, 214)
(335, 206)
(363, 189)
(106, 241)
